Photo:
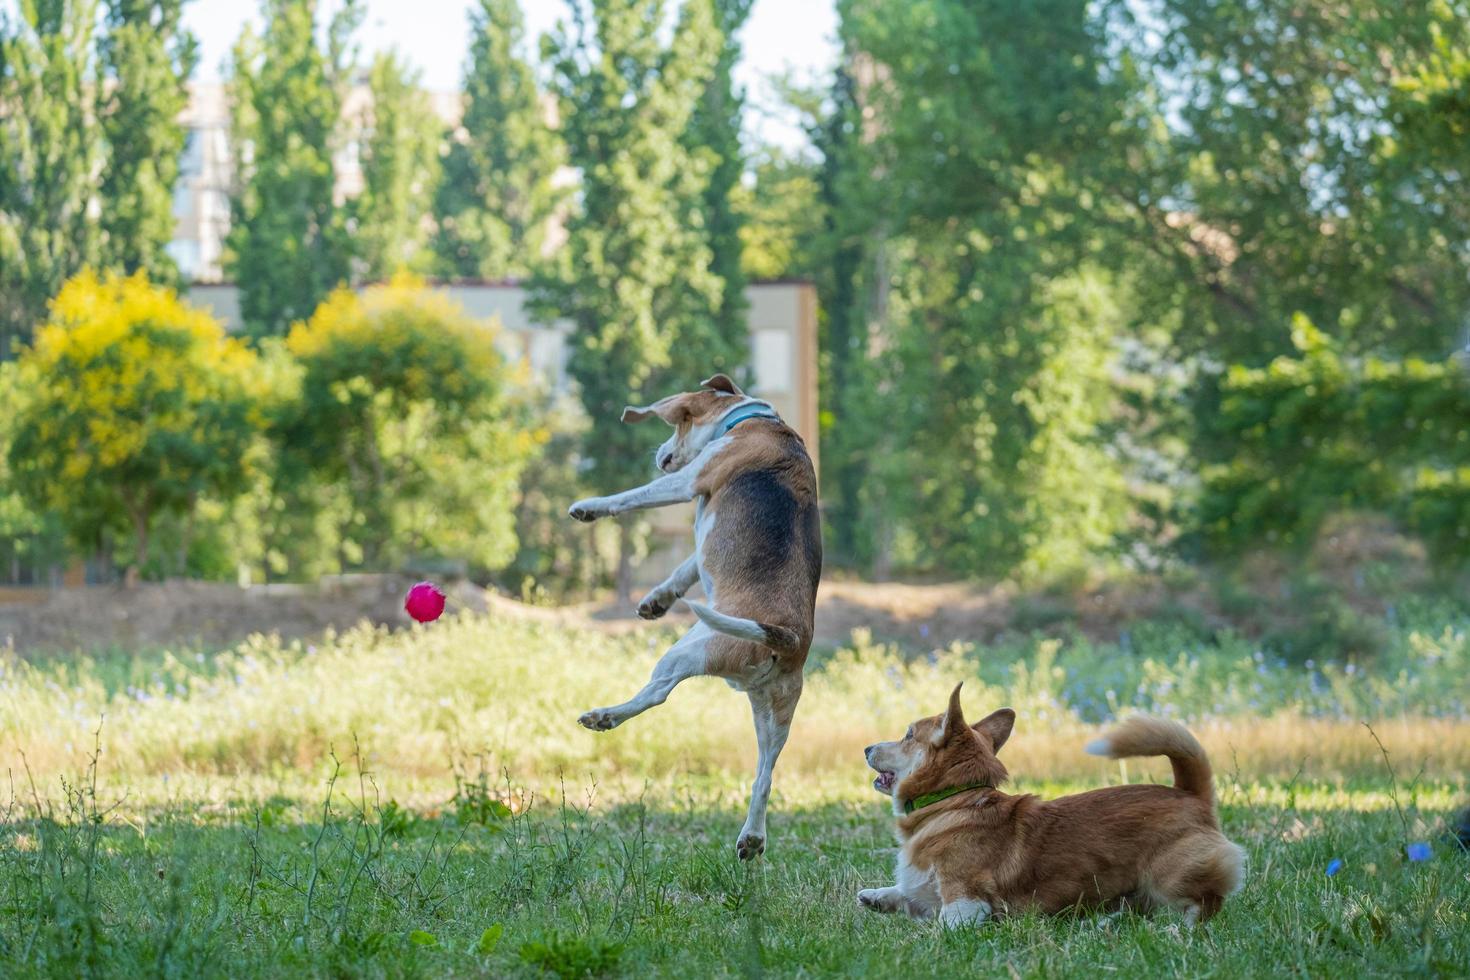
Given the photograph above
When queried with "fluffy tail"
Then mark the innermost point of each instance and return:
(778, 638)
(1147, 735)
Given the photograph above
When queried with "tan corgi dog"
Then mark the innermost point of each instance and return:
(970, 851)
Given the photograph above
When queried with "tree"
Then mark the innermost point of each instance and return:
(406, 405)
(50, 157)
(997, 331)
(146, 60)
(714, 133)
(133, 404)
(496, 195)
(781, 215)
(30, 538)
(399, 170)
(288, 244)
(1271, 175)
(637, 276)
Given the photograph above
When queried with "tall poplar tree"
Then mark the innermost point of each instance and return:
(495, 196)
(637, 276)
(400, 165)
(146, 59)
(50, 158)
(288, 245)
(714, 135)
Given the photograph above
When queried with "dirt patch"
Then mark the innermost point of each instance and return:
(200, 615)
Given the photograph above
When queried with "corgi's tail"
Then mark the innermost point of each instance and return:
(1143, 735)
(778, 638)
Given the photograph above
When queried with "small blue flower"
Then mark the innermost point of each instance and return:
(924, 630)
(1418, 852)
(1334, 866)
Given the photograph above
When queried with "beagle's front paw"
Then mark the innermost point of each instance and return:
(588, 510)
(654, 605)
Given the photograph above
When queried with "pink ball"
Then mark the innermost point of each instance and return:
(425, 603)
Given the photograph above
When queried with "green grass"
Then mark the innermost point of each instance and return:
(651, 887)
(421, 804)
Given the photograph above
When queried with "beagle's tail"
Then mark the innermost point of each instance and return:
(1146, 735)
(778, 638)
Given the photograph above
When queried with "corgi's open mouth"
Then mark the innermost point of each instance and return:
(884, 782)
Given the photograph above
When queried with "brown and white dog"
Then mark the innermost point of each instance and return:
(970, 852)
(757, 554)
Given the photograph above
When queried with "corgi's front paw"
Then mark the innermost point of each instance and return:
(881, 899)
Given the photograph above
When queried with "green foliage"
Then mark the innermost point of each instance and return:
(50, 153)
(1301, 197)
(132, 405)
(399, 171)
(780, 215)
(557, 559)
(1000, 339)
(496, 196)
(714, 135)
(147, 58)
(571, 957)
(1323, 432)
(405, 405)
(30, 538)
(288, 244)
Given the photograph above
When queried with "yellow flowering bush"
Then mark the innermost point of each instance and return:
(130, 404)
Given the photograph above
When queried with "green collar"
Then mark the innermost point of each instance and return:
(745, 413)
(929, 799)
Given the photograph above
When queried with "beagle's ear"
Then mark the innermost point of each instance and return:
(721, 382)
(954, 717)
(673, 410)
(997, 726)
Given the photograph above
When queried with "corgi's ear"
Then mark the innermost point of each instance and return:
(997, 726)
(721, 382)
(954, 717)
(673, 410)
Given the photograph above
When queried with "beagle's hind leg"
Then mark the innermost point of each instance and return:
(772, 708)
(685, 659)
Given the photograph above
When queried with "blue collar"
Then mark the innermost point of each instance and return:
(744, 414)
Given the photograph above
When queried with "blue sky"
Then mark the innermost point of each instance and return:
(781, 35)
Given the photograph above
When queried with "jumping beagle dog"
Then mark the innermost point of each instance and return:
(757, 554)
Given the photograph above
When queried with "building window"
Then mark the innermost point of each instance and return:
(775, 370)
(191, 163)
(185, 253)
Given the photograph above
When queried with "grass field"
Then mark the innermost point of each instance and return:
(422, 804)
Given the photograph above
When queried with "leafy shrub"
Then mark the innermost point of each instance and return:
(1312, 436)
(406, 406)
(131, 405)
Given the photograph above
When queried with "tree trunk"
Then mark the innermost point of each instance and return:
(187, 538)
(625, 564)
(140, 551)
